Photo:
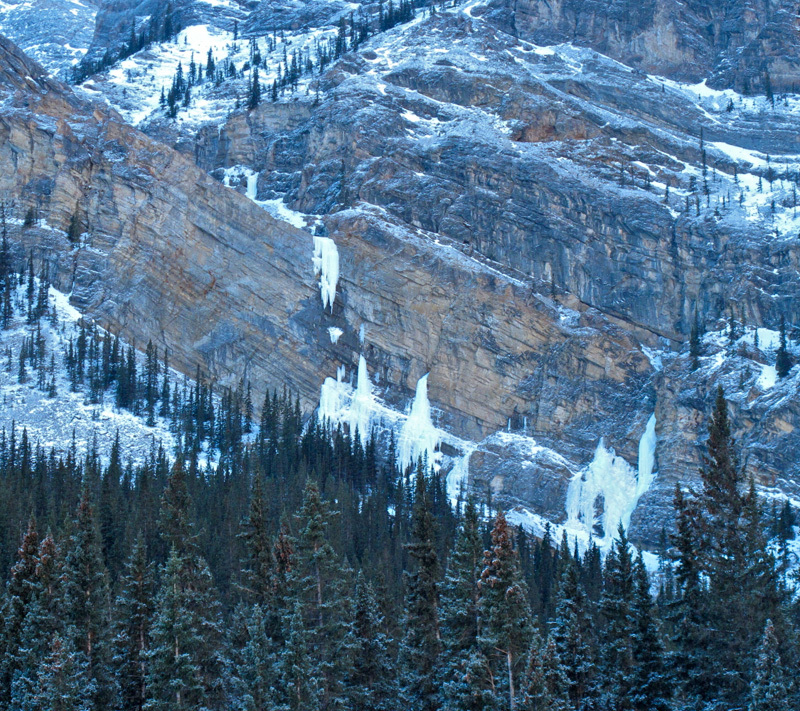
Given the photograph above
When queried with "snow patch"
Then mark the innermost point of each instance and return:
(768, 377)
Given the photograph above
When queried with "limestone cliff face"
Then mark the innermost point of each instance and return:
(737, 42)
(176, 257)
(524, 162)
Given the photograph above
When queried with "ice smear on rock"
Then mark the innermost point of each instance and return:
(326, 265)
(419, 437)
(613, 484)
(335, 333)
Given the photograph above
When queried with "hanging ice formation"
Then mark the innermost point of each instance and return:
(326, 265)
(611, 479)
(419, 437)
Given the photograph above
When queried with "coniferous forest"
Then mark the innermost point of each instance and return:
(304, 571)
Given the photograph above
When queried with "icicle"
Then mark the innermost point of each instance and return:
(326, 265)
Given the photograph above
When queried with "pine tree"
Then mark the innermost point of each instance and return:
(421, 645)
(768, 690)
(298, 674)
(131, 644)
(783, 361)
(506, 625)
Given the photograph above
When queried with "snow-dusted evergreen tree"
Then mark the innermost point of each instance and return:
(131, 640)
(256, 669)
(650, 686)
(318, 581)
(187, 666)
(544, 684)
(505, 621)
(421, 645)
(174, 678)
(299, 675)
(769, 687)
(63, 682)
(783, 360)
(720, 540)
(20, 593)
(43, 620)
(371, 684)
(85, 599)
(618, 625)
(459, 606)
(572, 634)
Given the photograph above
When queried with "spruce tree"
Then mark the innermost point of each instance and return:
(505, 623)
(256, 671)
(459, 597)
(769, 687)
(20, 592)
(174, 678)
(650, 687)
(618, 625)
(421, 645)
(695, 346)
(85, 599)
(371, 684)
(63, 681)
(783, 361)
(299, 676)
(317, 581)
(131, 643)
(572, 634)
(545, 683)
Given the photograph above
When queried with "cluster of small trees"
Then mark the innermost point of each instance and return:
(783, 357)
(291, 66)
(160, 27)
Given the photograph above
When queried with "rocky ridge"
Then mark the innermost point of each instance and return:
(503, 223)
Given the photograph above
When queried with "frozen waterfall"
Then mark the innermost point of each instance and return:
(609, 479)
(419, 437)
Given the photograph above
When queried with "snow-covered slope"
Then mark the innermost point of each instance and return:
(55, 416)
(56, 33)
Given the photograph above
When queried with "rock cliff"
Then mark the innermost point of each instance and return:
(534, 226)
